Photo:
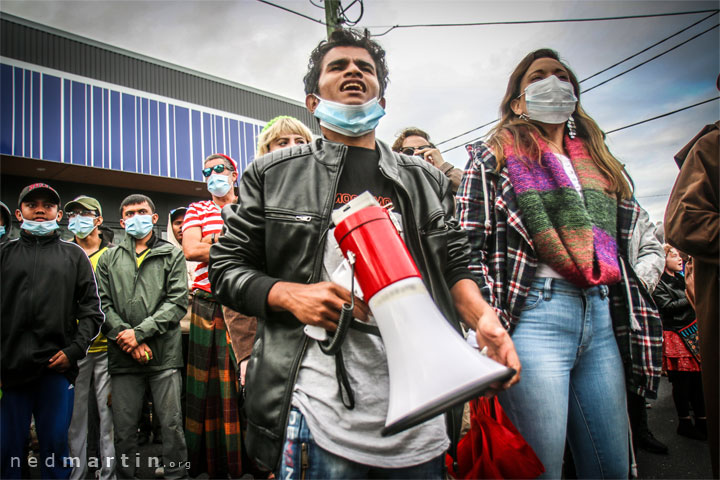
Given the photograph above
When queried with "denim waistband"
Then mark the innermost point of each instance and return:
(549, 285)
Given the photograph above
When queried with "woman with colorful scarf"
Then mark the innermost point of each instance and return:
(550, 212)
(681, 352)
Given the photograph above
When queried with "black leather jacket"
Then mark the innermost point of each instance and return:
(277, 232)
(670, 298)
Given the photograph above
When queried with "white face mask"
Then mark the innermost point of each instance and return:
(349, 120)
(550, 100)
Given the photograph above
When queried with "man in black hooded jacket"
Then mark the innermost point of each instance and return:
(50, 313)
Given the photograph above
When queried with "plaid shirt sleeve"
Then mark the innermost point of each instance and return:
(474, 209)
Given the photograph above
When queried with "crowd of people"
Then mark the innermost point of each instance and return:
(537, 252)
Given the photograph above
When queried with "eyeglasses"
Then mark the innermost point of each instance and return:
(412, 150)
(82, 213)
(219, 168)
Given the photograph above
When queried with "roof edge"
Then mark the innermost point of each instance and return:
(138, 56)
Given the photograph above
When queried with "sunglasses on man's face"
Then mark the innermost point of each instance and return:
(412, 150)
(219, 168)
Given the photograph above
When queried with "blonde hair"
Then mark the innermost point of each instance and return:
(511, 126)
(279, 126)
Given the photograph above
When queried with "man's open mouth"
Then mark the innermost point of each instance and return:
(352, 86)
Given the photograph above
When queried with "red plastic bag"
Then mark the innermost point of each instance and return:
(493, 448)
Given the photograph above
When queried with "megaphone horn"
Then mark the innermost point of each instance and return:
(431, 367)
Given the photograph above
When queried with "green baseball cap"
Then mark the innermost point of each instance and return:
(86, 202)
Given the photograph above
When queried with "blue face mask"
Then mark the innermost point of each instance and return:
(81, 226)
(349, 120)
(218, 185)
(139, 226)
(2, 230)
(39, 228)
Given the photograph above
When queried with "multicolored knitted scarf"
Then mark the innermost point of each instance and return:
(573, 235)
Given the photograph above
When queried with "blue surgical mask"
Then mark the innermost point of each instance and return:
(39, 228)
(139, 226)
(349, 120)
(550, 100)
(218, 185)
(2, 230)
(81, 226)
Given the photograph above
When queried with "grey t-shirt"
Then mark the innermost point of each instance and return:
(355, 434)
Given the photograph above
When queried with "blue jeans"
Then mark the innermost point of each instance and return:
(572, 382)
(302, 458)
(50, 400)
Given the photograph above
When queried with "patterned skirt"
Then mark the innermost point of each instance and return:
(676, 356)
(212, 422)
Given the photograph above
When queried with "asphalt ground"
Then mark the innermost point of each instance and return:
(687, 458)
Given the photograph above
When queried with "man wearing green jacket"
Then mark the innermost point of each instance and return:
(143, 290)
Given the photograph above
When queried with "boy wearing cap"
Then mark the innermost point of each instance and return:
(84, 219)
(50, 314)
(143, 289)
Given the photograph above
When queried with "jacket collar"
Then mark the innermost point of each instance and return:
(156, 243)
(29, 238)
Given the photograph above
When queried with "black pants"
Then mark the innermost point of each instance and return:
(638, 415)
(687, 390)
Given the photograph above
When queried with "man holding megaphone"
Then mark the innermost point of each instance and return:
(369, 405)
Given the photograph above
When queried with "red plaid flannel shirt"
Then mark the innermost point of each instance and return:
(504, 262)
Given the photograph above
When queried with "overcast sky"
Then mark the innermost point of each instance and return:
(445, 80)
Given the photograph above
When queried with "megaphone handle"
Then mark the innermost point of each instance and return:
(332, 346)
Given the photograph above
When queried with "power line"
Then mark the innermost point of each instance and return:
(615, 129)
(663, 115)
(465, 133)
(647, 48)
(612, 66)
(292, 11)
(527, 22)
(651, 59)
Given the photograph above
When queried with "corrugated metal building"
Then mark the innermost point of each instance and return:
(93, 119)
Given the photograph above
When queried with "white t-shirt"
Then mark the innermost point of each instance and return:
(355, 434)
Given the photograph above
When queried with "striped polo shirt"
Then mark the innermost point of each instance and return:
(206, 215)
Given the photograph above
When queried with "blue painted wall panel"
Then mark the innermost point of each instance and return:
(171, 141)
(88, 126)
(6, 109)
(106, 127)
(51, 117)
(78, 123)
(182, 142)
(145, 135)
(36, 132)
(129, 153)
(27, 112)
(219, 137)
(97, 127)
(197, 146)
(249, 153)
(207, 134)
(234, 140)
(162, 128)
(18, 86)
(153, 137)
(115, 129)
(67, 121)
(44, 115)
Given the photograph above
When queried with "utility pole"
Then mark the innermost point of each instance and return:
(332, 10)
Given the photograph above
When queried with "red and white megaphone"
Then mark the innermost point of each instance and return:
(431, 366)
